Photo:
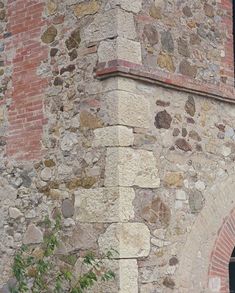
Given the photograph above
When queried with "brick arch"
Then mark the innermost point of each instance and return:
(208, 230)
(221, 254)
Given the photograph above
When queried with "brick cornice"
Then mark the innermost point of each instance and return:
(179, 82)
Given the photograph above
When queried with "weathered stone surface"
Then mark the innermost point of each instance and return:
(84, 237)
(2, 14)
(128, 276)
(67, 208)
(49, 35)
(7, 192)
(129, 167)
(169, 283)
(226, 151)
(162, 103)
(194, 135)
(155, 12)
(68, 141)
(102, 28)
(181, 195)
(86, 8)
(46, 174)
(33, 235)
(183, 145)
(74, 40)
(163, 120)
(132, 6)
(187, 11)
(150, 33)
(190, 106)
(200, 185)
(113, 136)
(183, 48)
(52, 7)
(184, 132)
(9, 286)
(88, 120)
(119, 110)
(196, 201)
(176, 132)
(131, 240)
(187, 69)
(209, 10)
(174, 179)
(173, 261)
(84, 182)
(167, 41)
(157, 212)
(15, 213)
(164, 60)
(120, 48)
(49, 163)
(195, 39)
(112, 204)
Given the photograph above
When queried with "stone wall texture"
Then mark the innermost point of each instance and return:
(116, 114)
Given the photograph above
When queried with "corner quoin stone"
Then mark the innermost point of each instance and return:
(104, 204)
(119, 111)
(129, 167)
(128, 275)
(131, 240)
(120, 48)
(113, 136)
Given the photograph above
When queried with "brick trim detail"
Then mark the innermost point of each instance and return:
(220, 257)
(135, 71)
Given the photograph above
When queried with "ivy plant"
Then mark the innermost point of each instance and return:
(37, 270)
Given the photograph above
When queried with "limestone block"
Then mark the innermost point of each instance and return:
(126, 25)
(131, 240)
(128, 276)
(104, 204)
(110, 24)
(129, 50)
(90, 8)
(7, 192)
(113, 136)
(131, 167)
(33, 235)
(103, 27)
(120, 48)
(128, 109)
(132, 6)
(174, 179)
(15, 213)
(107, 50)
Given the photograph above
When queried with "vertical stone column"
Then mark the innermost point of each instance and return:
(126, 167)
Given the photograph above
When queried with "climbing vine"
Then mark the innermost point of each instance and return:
(38, 269)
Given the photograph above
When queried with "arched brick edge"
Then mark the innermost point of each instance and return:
(219, 267)
(192, 273)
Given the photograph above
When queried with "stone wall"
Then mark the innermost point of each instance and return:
(188, 38)
(180, 167)
(131, 165)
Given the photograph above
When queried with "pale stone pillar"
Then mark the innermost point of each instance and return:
(126, 167)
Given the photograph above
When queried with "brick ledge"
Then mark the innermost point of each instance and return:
(139, 72)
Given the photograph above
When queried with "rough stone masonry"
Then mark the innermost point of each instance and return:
(120, 115)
